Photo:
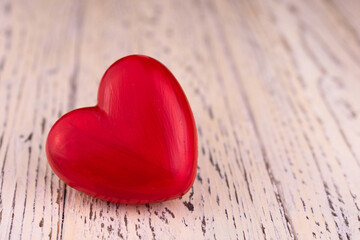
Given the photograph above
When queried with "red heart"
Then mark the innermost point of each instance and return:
(137, 145)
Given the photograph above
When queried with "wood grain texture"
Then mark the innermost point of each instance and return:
(274, 87)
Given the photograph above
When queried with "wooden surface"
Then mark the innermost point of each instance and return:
(274, 87)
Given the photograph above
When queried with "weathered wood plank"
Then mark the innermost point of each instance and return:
(275, 93)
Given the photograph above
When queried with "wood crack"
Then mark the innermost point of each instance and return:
(245, 100)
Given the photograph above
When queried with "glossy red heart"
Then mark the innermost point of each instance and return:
(137, 145)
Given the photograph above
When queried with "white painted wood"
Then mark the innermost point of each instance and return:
(274, 87)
